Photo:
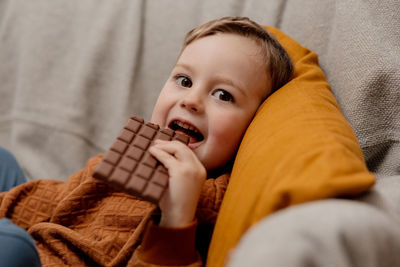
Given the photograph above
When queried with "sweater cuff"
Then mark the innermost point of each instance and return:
(169, 246)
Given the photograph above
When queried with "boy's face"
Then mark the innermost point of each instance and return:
(212, 94)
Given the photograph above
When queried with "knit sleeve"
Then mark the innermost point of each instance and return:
(2, 195)
(35, 201)
(211, 197)
(163, 246)
(30, 203)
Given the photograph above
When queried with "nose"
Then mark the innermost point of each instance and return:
(193, 101)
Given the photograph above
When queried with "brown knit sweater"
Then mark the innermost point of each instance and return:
(84, 222)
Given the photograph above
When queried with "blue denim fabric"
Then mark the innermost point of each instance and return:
(11, 173)
(17, 248)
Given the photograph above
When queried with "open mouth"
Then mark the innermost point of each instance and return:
(181, 127)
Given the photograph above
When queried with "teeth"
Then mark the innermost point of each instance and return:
(186, 126)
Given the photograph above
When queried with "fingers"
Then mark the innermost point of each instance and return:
(166, 158)
(186, 177)
(171, 153)
(174, 148)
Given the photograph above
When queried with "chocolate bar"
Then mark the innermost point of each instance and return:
(129, 167)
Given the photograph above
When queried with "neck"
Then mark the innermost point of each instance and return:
(227, 168)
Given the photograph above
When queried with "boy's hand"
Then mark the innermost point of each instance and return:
(187, 174)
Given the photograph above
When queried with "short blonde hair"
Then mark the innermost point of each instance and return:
(279, 66)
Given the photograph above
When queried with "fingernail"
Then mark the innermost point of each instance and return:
(152, 148)
(159, 141)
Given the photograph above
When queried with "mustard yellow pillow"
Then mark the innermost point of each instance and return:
(298, 148)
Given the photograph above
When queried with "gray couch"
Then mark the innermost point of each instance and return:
(73, 71)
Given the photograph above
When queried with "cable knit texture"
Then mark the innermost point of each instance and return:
(84, 222)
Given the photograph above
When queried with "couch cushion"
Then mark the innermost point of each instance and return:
(298, 148)
(323, 233)
(358, 43)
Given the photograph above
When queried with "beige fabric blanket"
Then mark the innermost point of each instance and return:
(72, 72)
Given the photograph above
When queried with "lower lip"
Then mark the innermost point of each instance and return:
(193, 146)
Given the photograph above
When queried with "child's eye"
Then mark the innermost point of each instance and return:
(223, 95)
(184, 81)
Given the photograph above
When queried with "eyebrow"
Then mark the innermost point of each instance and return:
(231, 83)
(184, 66)
(219, 78)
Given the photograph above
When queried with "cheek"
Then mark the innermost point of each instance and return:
(227, 132)
(222, 143)
(161, 108)
(156, 116)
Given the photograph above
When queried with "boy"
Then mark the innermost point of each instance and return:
(226, 68)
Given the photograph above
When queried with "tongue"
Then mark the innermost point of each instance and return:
(192, 139)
